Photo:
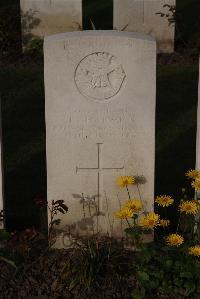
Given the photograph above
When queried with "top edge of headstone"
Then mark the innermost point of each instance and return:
(102, 33)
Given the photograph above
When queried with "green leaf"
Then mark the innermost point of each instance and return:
(178, 282)
(7, 261)
(168, 264)
(4, 236)
(61, 210)
(186, 274)
(153, 284)
(142, 276)
(56, 222)
(134, 231)
(138, 294)
(64, 207)
(189, 288)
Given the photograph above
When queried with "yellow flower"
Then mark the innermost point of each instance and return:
(164, 200)
(164, 223)
(189, 207)
(194, 250)
(196, 184)
(123, 181)
(150, 221)
(135, 205)
(193, 174)
(124, 213)
(174, 240)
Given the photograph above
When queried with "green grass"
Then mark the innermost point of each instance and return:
(24, 136)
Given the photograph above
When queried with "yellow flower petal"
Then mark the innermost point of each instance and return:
(164, 200)
(164, 223)
(124, 181)
(193, 174)
(149, 221)
(189, 207)
(174, 240)
(135, 205)
(194, 250)
(124, 213)
(196, 184)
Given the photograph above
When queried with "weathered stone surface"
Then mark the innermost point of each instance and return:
(100, 124)
(141, 16)
(47, 17)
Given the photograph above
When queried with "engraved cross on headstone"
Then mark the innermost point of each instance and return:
(99, 169)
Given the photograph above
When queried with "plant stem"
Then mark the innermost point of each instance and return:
(139, 192)
(128, 222)
(108, 213)
(128, 192)
(166, 217)
(179, 219)
(90, 213)
(97, 212)
(120, 206)
(83, 199)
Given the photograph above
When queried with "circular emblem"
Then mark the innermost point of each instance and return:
(99, 76)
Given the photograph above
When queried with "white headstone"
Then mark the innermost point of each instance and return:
(198, 128)
(47, 17)
(100, 122)
(141, 16)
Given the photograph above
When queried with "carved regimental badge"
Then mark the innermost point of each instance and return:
(99, 76)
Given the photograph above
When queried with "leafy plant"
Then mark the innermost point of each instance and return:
(4, 237)
(170, 266)
(170, 14)
(93, 259)
(34, 47)
(177, 17)
(20, 246)
(161, 270)
(54, 209)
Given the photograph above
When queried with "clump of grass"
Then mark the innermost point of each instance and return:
(99, 265)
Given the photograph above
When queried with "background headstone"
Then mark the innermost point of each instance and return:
(46, 17)
(141, 16)
(100, 124)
